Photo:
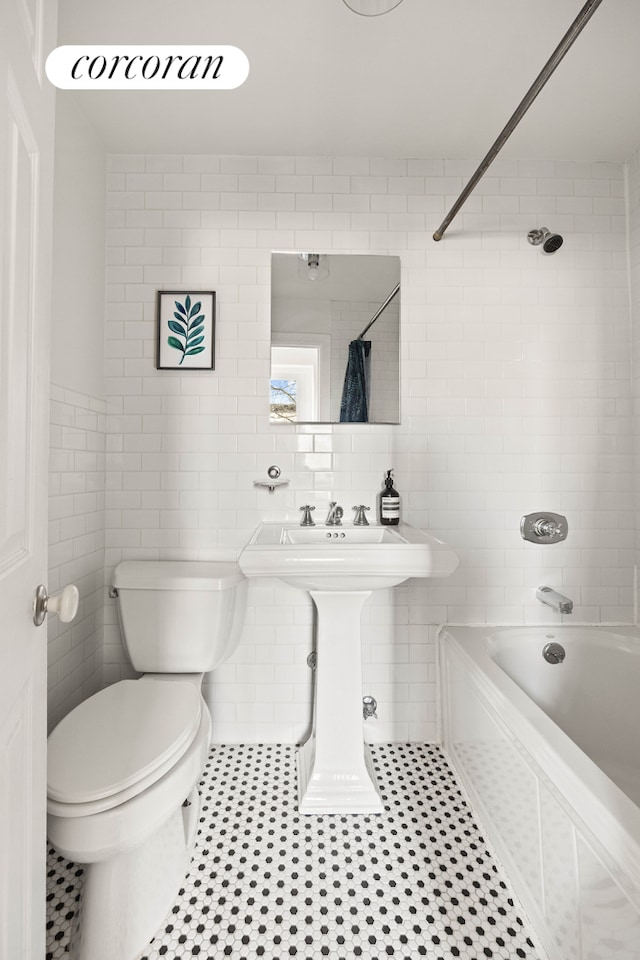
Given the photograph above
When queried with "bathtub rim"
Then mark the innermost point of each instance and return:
(623, 636)
(583, 786)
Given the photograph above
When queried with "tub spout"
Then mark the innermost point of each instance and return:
(557, 601)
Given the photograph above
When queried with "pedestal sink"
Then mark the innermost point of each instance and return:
(340, 567)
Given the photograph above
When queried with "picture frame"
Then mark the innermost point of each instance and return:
(186, 324)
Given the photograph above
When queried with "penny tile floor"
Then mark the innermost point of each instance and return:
(266, 882)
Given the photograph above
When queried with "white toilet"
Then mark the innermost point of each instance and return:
(123, 767)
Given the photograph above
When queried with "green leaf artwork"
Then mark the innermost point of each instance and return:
(188, 324)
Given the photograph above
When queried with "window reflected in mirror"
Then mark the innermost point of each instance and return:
(284, 401)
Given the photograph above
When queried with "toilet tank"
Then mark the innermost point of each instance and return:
(180, 616)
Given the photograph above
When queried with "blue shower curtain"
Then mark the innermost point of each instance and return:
(354, 407)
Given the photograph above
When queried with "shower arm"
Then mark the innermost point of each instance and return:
(572, 33)
(379, 311)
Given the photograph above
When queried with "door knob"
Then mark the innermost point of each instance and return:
(65, 604)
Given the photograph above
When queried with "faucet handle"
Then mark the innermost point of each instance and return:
(361, 518)
(307, 520)
(547, 528)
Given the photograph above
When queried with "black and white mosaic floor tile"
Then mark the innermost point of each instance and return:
(64, 885)
(265, 882)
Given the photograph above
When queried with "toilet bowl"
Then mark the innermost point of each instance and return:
(123, 767)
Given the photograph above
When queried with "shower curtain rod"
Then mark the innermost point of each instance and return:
(572, 33)
(379, 311)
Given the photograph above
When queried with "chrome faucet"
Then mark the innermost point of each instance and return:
(334, 517)
(557, 601)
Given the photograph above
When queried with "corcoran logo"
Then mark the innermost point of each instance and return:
(147, 67)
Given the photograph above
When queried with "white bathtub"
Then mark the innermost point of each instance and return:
(550, 755)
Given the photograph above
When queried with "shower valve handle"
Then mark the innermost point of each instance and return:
(544, 527)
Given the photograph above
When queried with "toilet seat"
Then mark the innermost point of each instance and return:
(118, 742)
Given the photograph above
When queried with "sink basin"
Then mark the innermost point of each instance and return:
(340, 535)
(345, 558)
(340, 566)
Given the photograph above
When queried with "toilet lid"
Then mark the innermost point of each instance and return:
(120, 736)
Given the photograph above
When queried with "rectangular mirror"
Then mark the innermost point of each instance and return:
(335, 338)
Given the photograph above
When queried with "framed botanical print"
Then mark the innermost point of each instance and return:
(186, 324)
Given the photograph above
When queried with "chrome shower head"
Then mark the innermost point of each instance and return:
(550, 241)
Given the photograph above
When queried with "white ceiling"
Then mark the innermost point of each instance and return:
(351, 277)
(432, 78)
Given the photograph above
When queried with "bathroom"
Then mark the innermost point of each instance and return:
(517, 386)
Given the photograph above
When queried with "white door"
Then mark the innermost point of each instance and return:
(27, 33)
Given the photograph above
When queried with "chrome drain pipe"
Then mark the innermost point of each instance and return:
(369, 707)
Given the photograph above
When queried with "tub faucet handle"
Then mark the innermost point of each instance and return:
(546, 528)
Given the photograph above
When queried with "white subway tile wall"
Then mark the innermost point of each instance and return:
(515, 396)
(76, 546)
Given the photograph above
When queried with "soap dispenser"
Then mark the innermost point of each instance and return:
(389, 505)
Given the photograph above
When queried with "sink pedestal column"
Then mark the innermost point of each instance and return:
(335, 774)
